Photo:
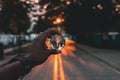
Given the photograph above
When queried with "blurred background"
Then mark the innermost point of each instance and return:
(93, 23)
(80, 18)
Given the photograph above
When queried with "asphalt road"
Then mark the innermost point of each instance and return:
(72, 64)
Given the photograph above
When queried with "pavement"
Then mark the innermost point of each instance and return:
(8, 50)
(110, 57)
(8, 55)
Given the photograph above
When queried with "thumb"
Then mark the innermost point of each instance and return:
(54, 51)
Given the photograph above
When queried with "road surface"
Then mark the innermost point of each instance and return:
(72, 64)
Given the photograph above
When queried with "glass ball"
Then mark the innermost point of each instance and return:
(57, 42)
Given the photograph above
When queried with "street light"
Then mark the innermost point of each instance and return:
(58, 23)
(58, 20)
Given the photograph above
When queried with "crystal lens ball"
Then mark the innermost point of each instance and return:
(57, 42)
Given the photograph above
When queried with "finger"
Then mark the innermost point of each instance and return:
(43, 41)
(50, 32)
(53, 51)
(44, 35)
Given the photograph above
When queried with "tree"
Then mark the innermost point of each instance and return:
(13, 18)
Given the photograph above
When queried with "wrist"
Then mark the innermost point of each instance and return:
(30, 59)
(24, 61)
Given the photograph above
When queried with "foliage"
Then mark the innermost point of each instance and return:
(13, 17)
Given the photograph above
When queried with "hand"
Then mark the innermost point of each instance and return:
(38, 49)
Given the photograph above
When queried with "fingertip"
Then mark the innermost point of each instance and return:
(50, 31)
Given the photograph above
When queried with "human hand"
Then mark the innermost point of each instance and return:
(38, 49)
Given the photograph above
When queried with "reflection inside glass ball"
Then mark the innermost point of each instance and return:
(57, 42)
